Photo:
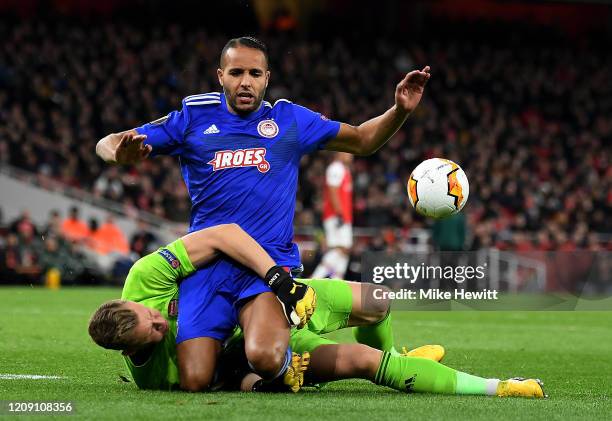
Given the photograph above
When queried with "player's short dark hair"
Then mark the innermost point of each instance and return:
(249, 42)
(111, 325)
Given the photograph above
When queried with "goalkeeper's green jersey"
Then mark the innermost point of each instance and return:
(152, 281)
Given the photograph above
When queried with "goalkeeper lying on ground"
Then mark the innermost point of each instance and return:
(139, 326)
(145, 329)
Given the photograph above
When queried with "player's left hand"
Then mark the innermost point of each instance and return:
(409, 91)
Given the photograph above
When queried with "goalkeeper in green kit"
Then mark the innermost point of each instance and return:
(143, 326)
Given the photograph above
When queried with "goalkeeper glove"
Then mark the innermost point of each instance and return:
(298, 299)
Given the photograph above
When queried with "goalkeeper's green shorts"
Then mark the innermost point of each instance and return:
(334, 306)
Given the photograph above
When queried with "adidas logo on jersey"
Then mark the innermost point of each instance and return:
(211, 130)
(255, 157)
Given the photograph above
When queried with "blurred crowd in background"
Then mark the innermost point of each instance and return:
(89, 252)
(526, 116)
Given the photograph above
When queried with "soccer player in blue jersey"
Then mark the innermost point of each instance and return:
(240, 157)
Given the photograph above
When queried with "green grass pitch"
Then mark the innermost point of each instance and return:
(44, 332)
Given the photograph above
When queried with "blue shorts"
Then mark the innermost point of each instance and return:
(211, 298)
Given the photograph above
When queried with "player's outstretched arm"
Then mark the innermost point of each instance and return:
(124, 148)
(205, 245)
(368, 137)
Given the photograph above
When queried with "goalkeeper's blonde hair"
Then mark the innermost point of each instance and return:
(111, 325)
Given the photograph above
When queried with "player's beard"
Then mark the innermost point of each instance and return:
(232, 100)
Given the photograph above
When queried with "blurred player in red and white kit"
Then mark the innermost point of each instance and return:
(337, 217)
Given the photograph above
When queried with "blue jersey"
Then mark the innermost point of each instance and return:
(242, 169)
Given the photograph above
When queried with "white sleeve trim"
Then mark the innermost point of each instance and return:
(281, 100)
(202, 102)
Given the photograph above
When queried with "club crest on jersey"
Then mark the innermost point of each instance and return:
(267, 128)
(255, 157)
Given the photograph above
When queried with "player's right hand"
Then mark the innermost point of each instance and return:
(131, 149)
(297, 299)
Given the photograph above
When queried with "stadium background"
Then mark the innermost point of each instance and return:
(520, 96)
